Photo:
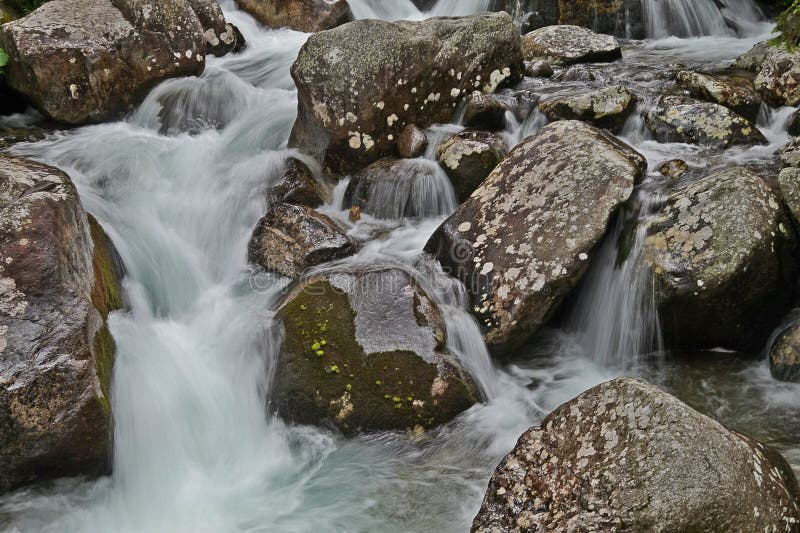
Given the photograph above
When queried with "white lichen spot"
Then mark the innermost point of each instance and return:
(351, 117)
(455, 91)
(391, 119)
(355, 140)
(380, 105)
(73, 91)
(464, 226)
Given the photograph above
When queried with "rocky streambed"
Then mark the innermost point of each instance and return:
(340, 275)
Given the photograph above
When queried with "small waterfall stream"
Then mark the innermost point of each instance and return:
(179, 186)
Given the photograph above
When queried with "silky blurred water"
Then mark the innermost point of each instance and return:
(179, 186)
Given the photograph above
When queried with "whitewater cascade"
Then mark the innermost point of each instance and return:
(179, 186)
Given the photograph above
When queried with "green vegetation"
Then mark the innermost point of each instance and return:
(26, 6)
(789, 26)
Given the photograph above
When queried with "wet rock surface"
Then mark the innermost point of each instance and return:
(468, 157)
(85, 61)
(485, 111)
(789, 182)
(606, 108)
(298, 186)
(292, 238)
(789, 154)
(722, 252)
(722, 91)
(626, 456)
(361, 84)
(565, 45)
(59, 279)
(784, 355)
(681, 119)
(302, 15)
(525, 237)
(412, 142)
(340, 364)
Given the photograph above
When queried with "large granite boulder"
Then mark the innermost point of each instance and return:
(681, 119)
(359, 85)
(626, 456)
(607, 108)
(293, 238)
(722, 91)
(59, 279)
(365, 351)
(302, 15)
(564, 45)
(468, 157)
(722, 252)
(525, 237)
(84, 61)
(778, 80)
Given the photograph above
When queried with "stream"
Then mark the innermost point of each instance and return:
(179, 186)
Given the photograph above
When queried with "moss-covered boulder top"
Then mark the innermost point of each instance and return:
(361, 84)
(85, 61)
(722, 251)
(626, 456)
(59, 279)
(365, 351)
(525, 237)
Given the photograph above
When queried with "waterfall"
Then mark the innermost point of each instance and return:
(616, 317)
(698, 18)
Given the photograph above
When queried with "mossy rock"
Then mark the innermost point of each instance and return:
(366, 352)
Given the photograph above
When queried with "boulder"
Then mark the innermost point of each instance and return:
(793, 124)
(722, 91)
(297, 186)
(292, 238)
(359, 85)
(752, 60)
(59, 280)
(789, 154)
(789, 181)
(85, 61)
(722, 253)
(681, 119)
(538, 69)
(525, 237)
(220, 36)
(607, 108)
(365, 351)
(401, 188)
(413, 142)
(308, 16)
(784, 355)
(485, 111)
(626, 456)
(778, 80)
(674, 169)
(564, 45)
(468, 157)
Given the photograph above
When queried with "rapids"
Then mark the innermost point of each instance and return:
(180, 184)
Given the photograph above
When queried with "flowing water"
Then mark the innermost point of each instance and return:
(179, 186)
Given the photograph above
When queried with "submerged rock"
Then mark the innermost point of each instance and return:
(681, 119)
(401, 188)
(784, 355)
(525, 237)
(293, 238)
(607, 108)
(626, 456)
(302, 15)
(468, 157)
(84, 61)
(365, 351)
(723, 256)
(298, 186)
(361, 84)
(59, 279)
(412, 142)
(674, 169)
(722, 91)
(565, 45)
